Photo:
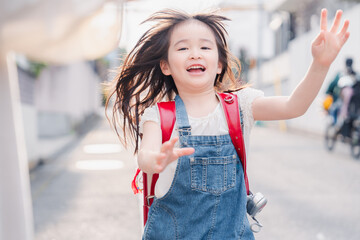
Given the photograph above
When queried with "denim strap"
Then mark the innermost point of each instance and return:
(182, 119)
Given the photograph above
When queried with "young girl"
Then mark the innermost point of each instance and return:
(201, 193)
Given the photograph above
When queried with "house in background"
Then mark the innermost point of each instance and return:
(294, 25)
(57, 102)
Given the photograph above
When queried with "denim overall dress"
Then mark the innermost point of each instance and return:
(207, 198)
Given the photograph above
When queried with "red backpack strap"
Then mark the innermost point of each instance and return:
(230, 105)
(167, 122)
(167, 119)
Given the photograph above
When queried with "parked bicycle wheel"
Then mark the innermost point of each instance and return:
(330, 137)
(355, 143)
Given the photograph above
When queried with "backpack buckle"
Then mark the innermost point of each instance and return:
(148, 198)
(229, 99)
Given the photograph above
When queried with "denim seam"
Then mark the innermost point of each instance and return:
(204, 178)
(225, 176)
(174, 219)
(233, 176)
(233, 172)
(213, 160)
(242, 230)
(190, 142)
(150, 220)
(213, 218)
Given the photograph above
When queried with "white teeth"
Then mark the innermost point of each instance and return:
(196, 67)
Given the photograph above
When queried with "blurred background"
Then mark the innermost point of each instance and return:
(63, 172)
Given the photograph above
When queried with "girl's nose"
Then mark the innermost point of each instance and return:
(195, 54)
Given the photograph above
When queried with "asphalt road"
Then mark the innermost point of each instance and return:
(86, 193)
(312, 194)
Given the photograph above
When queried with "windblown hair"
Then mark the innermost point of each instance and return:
(141, 83)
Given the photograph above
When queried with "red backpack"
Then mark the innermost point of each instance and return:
(230, 107)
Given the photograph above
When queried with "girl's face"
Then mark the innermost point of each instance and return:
(193, 59)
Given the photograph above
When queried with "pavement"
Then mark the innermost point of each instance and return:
(312, 193)
(50, 148)
(85, 193)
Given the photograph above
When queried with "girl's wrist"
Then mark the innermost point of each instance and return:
(320, 66)
(144, 163)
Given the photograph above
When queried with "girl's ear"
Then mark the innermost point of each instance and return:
(165, 68)
(219, 69)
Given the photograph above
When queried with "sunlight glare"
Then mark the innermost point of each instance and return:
(99, 164)
(102, 148)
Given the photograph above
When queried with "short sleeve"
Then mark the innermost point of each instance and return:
(246, 97)
(150, 114)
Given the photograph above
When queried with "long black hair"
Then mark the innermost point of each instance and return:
(141, 83)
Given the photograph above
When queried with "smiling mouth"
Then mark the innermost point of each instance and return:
(196, 68)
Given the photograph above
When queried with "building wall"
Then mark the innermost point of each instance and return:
(29, 113)
(244, 29)
(287, 70)
(65, 96)
(55, 103)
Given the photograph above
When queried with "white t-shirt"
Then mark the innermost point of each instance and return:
(212, 124)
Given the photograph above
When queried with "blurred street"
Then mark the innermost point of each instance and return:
(53, 87)
(312, 194)
(86, 193)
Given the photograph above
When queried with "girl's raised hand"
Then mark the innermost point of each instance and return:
(327, 44)
(168, 154)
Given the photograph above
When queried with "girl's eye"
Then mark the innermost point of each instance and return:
(205, 48)
(182, 49)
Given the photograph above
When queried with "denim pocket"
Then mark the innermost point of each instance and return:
(213, 174)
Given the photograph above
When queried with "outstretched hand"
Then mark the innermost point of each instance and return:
(168, 153)
(327, 44)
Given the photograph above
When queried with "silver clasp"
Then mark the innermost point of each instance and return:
(148, 199)
(256, 227)
(229, 99)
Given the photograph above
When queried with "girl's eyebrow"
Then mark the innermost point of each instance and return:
(187, 40)
(206, 40)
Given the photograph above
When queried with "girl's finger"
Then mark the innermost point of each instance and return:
(318, 40)
(159, 158)
(159, 162)
(169, 144)
(323, 19)
(184, 151)
(158, 168)
(174, 140)
(336, 22)
(344, 28)
(345, 38)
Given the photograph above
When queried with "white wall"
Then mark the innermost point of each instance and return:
(295, 62)
(66, 94)
(243, 30)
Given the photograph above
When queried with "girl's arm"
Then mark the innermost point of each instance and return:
(324, 48)
(153, 157)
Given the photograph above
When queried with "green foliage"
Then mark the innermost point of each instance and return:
(35, 68)
(31, 67)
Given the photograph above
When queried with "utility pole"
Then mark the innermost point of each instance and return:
(16, 218)
(260, 43)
